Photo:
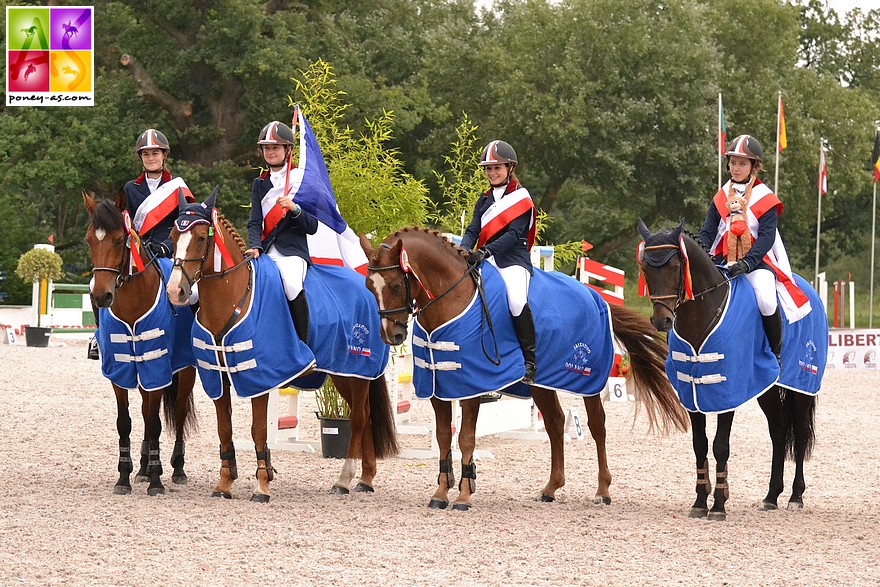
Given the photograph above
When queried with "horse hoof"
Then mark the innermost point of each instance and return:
(339, 490)
(362, 487)
(794, 506)
(602, 500)
(461, 507)
(547, 498)
(121, 489)
(717, 516)
(180, 479)
(767, 506)
(154, 491)
(260, 498)
(698, 513)
(437, 504)
(223, 494)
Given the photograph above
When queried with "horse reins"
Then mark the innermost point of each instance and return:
(412, 309)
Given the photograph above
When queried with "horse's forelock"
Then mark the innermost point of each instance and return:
(107, 217)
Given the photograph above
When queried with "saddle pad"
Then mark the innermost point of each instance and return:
(575, 350)
(148, 355)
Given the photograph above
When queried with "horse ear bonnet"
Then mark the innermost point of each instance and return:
(191, 215)
(659, 257)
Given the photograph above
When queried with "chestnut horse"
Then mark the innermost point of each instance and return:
(417, 272)
(789, 408)
(129, 295)
(225, 295)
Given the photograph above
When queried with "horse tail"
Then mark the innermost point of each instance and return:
(382, 420)
(647, 354)
(801, 416)
(179, 417)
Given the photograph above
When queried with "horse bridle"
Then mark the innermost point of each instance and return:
(412, 308)
(678, 296)
(199, 274)
(123, 276)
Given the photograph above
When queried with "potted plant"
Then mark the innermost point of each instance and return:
(334, 415)
(38, 265)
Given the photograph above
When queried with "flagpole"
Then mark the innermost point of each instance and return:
(778, 151)
(719, 146)
(873, 227)
(819, 213)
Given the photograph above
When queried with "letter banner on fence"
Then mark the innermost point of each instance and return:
(853, 349)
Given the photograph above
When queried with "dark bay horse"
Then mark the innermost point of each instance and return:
(129, 296)
(440, 293)
(790, 413)
(225, 296)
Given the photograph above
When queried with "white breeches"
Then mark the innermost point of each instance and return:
(516, 280)
(293, 272)
(763, 281)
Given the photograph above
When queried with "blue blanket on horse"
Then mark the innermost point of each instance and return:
(344, 326)
(573, 323)
(735, 363)
(261, 351)
(148, 355)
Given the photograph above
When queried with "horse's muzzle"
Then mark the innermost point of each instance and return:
(662, 323)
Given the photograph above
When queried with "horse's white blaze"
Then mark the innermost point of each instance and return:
(175, 285)
(182, 245)
(379, 286)
(100, 233)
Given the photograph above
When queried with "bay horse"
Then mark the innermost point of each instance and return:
(418, 272)
(672, 257)
(129, 295)
(225, 297)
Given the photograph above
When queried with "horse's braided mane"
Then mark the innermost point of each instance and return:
(696, 240)
(107, 217)
(232, 232)
(433, 232)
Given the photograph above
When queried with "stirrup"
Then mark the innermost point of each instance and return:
(93, 353)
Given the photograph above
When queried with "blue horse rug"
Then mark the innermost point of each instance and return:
(344, 326)
(261, 351)
(148, 355)
(458, 360)
(735, 363)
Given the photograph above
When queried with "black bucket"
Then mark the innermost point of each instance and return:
(37, 336)
(335, 435)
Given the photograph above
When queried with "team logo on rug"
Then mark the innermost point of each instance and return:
(580, 356)
(808, 364)
(358, 341)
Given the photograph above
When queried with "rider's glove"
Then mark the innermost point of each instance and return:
(159, 249)
(738, 268)
(476, 257)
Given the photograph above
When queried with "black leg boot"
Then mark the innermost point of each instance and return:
(524, 326)
(773, 330)
(299, 311)
(92, 352)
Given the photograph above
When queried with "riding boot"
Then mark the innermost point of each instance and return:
(299, 311)
(92, 352)
(773, 330)
(524, 326)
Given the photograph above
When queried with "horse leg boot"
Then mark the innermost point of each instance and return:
(299, 311)
(773, 330)
(92, 352)
(524, 326)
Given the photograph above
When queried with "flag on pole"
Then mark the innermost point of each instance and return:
(783, 140)
(722, 127)
(52, 236)
(823, 172)
(875, 158)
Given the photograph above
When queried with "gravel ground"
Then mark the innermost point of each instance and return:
(60, 524)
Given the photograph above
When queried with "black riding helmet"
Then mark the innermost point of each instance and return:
(276, 133)
(745, 146)
(498, 152)
(151, 139)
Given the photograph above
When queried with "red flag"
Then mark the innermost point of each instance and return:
(51, 239)
(823, 172)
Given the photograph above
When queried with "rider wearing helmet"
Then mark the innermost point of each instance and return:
(745, 158)
(503, 230)
(278, 226)
(151, 201)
